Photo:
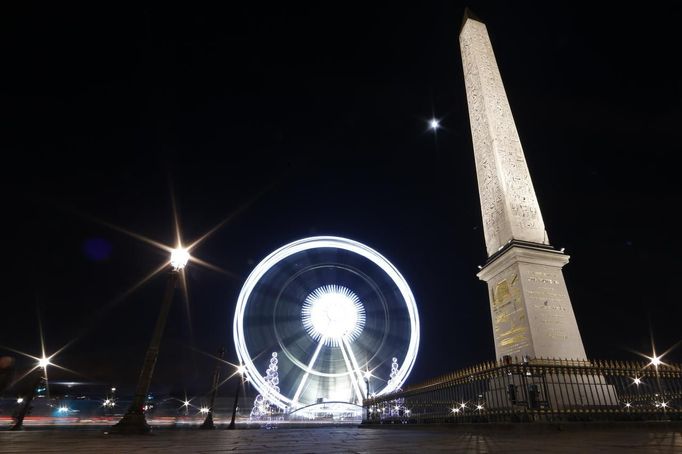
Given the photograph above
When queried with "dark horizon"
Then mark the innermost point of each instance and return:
(309, 121)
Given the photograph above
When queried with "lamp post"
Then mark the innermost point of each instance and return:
(26, 401)
(134, 422)
(240, 371)
(208, 422)
(368, 375)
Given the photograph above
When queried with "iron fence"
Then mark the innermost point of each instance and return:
(540, 389)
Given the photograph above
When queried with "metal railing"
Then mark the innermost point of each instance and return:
(537, 390)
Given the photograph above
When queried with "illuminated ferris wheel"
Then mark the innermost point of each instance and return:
(338, 315)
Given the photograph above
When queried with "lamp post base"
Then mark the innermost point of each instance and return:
(208, 422)
(131, 423)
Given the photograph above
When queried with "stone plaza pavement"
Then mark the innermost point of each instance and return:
(343, 439)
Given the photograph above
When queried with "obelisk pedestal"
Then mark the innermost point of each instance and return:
(531, 311)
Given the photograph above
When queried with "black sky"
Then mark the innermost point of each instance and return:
(326, 106)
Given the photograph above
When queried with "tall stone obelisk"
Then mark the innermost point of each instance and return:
(529, 303)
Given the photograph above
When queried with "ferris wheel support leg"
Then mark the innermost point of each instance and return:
(356, 366)
(310, 366)
(353, 378)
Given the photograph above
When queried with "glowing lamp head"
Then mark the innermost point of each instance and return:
(241, 370)
(368, 375)
(655, 361)
(179, 258)
(43, 362)
(637, 381)
(434, 124)
(203, 409)
(20, 400)
(186, 403)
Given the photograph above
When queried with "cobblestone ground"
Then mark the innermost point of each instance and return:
(341, 439)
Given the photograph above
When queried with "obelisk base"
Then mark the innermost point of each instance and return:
(531, 311)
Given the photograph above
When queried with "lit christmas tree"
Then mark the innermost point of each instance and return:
(397, 406)
(262, 405)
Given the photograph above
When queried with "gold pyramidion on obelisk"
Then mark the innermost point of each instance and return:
(529, 303)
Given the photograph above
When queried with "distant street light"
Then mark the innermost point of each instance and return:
(434, 124)
(134, 421)
(655, 361)
(43, 362)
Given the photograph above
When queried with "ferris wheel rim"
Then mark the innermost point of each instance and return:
(319, 242)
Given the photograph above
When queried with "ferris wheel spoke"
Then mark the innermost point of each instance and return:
(349, 366)
(310, 366)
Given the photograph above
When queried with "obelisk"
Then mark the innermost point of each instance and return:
(531, 311)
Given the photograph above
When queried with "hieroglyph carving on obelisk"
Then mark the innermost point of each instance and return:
(508, 203)
(530, 307)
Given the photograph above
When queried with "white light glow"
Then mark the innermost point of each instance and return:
(479, 407)
(203, 409)
(43, 362)
(334, 313)
(179, 258)
(241, 370)
(315, 243)
(186, 403)
(637, 381)
(367, 375)
(113, 390)
(62, 410)
(628, 405)
(434, 124)
(655, 361)
(20, 400)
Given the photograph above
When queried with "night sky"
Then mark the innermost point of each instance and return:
(312, 120)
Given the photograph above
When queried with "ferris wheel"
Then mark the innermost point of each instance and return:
(338, 316)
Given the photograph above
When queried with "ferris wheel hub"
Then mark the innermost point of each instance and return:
(333, 314)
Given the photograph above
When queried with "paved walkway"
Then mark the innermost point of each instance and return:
(340, 439)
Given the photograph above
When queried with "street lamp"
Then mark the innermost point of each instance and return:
(240, 370)
(134, 422)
